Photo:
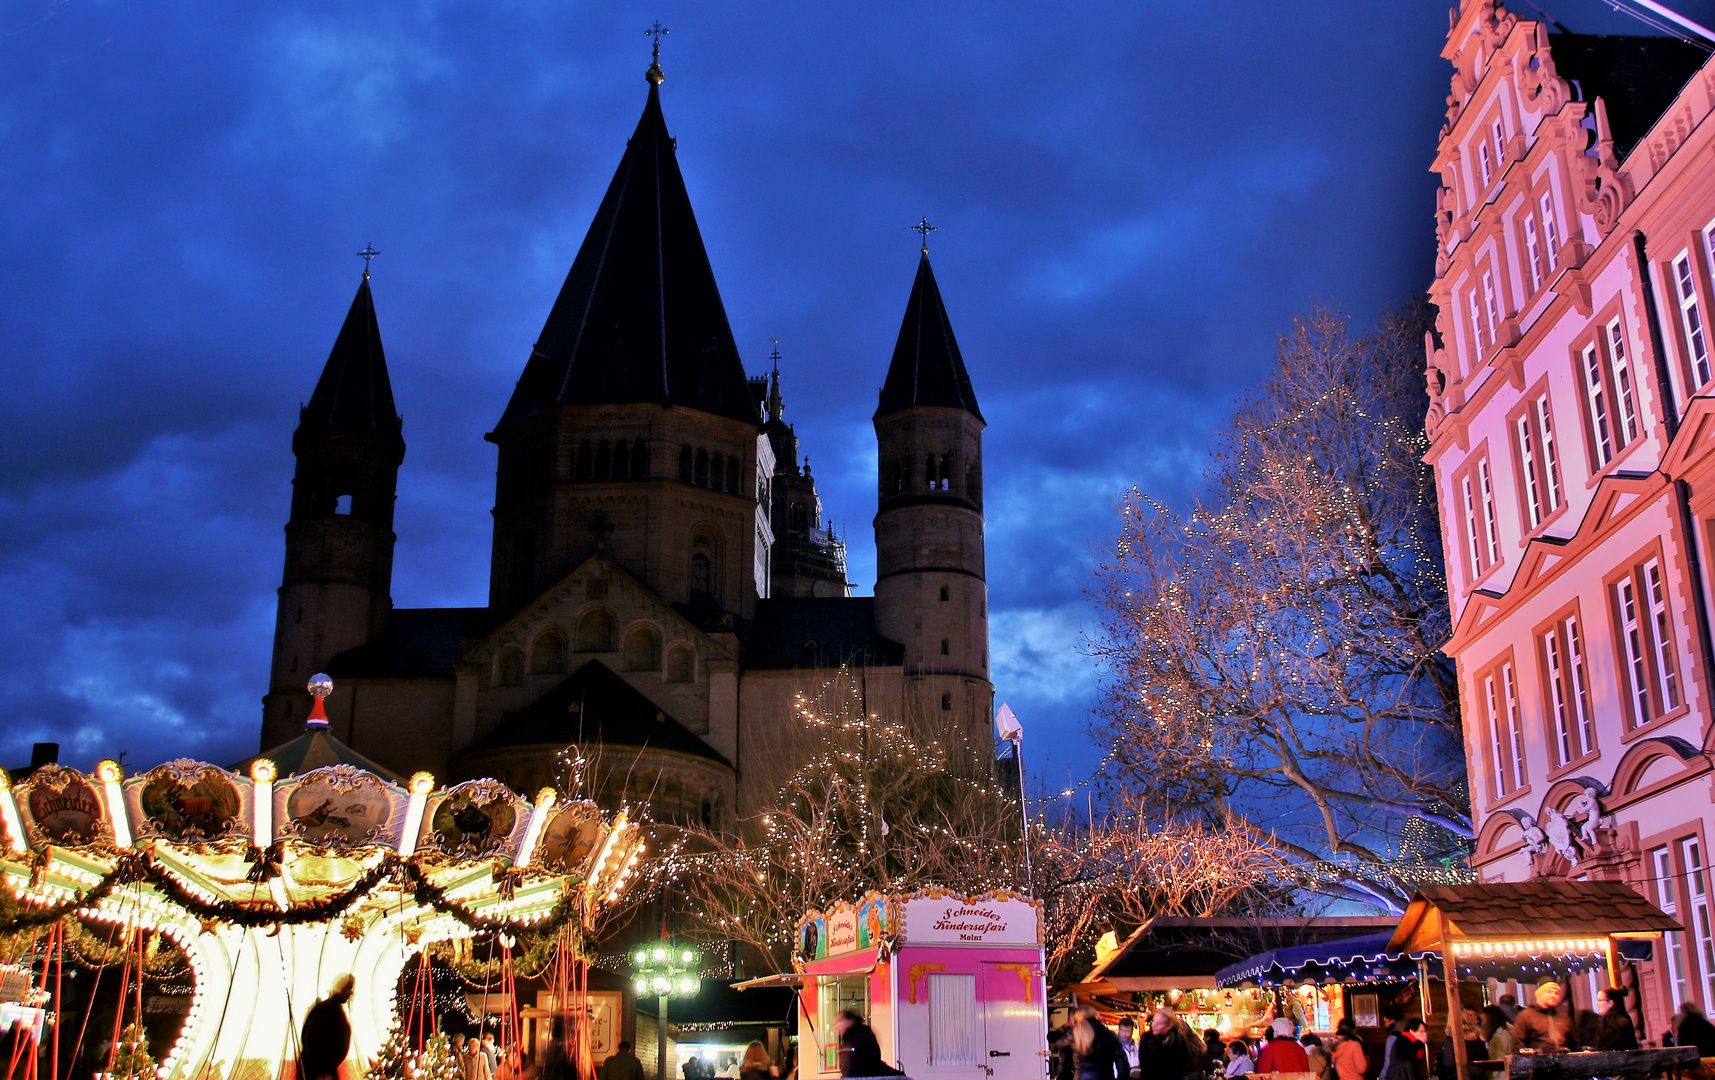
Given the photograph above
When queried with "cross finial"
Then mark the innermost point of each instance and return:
(775, 355)
(366, 254)
(924, 229)
(654, 74)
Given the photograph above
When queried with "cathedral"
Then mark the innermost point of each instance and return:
(662, 583)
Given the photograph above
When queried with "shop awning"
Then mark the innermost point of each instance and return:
(784, 978)
(1363, 959)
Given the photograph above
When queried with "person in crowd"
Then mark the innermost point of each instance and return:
(326, 1038)
(1586, 1028)
(1497, 1033)
(860, 1053)
(692, 1069)
(473, 1063)
(1096, 1051)
(1509, 1005)
(1348, 1055)
(1214, 1053)
(1475, 1048)
(1543, 1028)
(1320, 1063)
(1409, 1059)
(1617, 1032)
(1169, 1050)
(1282, 1054)
(1692, 1028)
(622, 1064)
(1127, 1033)
(1239, 1058)
(756, 1064)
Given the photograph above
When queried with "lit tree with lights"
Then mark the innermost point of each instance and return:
(1273, 653)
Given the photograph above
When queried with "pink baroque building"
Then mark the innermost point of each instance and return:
(1572, 431)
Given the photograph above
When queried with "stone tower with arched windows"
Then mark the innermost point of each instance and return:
(636, 607)
(931, 592)
(335, 592)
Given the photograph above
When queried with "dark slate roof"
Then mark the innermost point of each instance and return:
(414, 643)
(1637, 76)
(639, 318)
(927, 368)
(800, 632)
(315, 749)
(354, 393)
(610, 712)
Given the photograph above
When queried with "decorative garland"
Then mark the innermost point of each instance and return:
(480, 975)
(139, 867)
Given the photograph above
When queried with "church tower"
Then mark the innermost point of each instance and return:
(930, 589)
(633, 430)
(336, 591)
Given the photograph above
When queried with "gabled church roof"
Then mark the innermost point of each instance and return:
(927, 368)
(595, 707)
(354, 393)
(639, 318)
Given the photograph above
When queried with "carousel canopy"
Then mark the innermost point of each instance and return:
(316, 748)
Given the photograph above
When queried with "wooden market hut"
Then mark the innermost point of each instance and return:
(1548, 924)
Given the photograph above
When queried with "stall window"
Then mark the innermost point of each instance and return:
(952, 1020)
(836, 995)
(1673, 944)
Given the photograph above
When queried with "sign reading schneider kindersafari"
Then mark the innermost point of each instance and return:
(929, 917)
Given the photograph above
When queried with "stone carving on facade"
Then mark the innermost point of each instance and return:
(1534, 839)
(1604, 191)
(1559, 832)
(1541, 88)
(1435, 383)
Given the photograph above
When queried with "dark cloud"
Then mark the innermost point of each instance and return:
(1133, 199)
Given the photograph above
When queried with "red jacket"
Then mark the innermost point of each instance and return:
(1282, 1055)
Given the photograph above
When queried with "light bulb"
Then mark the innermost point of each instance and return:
(660, 954)
(687, 986)
(642, 986)
(662, 985)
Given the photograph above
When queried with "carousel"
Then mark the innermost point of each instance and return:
(274, 880)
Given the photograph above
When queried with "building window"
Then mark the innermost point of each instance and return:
(1697, 888)
(1550, 230)
(946, 646)
(701, 573)
(1649, 672)
(1498, 133)
(1533, 252)
(595, 632)
(1623, 395)
(1482, 539)
(1673, 945)
(1479, 341)
(642, 650)
(1691, 320)
(1506, 736)
(1539, 463)
(1485, 164)
(1568, 691)
(548, 653)
(1596, 393)
(944, 594)
(1491, 308)
(684, 465)
(681, 665)
(946, 702)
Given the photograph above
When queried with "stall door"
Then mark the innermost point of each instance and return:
(955, 1028)
(1014, 1029)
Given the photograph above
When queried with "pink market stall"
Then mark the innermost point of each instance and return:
(952, 984)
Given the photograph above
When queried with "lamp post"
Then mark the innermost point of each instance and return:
(667, 971)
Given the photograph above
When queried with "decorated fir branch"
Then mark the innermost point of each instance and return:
(131, 1059)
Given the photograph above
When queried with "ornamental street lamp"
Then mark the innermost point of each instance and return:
(667, 971)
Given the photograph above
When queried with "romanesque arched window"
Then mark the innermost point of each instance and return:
(681, 665)
(702, 477)
(595, 631)
(684, 465)
(603, 460)
(717, 471)
(639, 459)
(584, 469)
(510, 670)
(621, 460)
(642, 650)
(732, 476)
(702, 573)
(548, 653)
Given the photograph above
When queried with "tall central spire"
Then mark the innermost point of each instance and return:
(639, 318)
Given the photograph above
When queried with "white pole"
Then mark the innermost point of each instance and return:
(1676, 18)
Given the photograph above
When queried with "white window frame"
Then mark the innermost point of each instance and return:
(1667, 672)
(1632, 644)
(1557, 696)
(1491, 528)
(1702, 921)
(1498, 132)
(1484, 166)
(1492, 306)
(1527, 464)
(1586, 726)
(1515, 725)
(1497, 749)
(1471, 527)
(1550, 230)
(1533, 253)
(1673, 944)
(1596, 391)
(1622, 382)
(1691, 321)
(1550, 457)
(1476, 327)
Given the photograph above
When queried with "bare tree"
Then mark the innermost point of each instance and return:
(1272, 653)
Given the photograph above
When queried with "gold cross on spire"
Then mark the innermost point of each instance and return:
(924, 228)
(366, 254)
(654, 74)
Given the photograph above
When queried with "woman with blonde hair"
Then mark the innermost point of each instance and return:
(1096, 1051)
(756, 1064)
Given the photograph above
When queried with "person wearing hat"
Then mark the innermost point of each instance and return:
(1542, 1027)
(327, 1034)
(1282, 1054)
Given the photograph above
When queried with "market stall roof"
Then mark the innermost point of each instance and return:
(1527, 909)
(1186, 953)
(1361, 959)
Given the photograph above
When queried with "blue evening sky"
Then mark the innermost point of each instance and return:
(1133, 199)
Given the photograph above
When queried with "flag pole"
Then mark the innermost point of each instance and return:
(1013, 732)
